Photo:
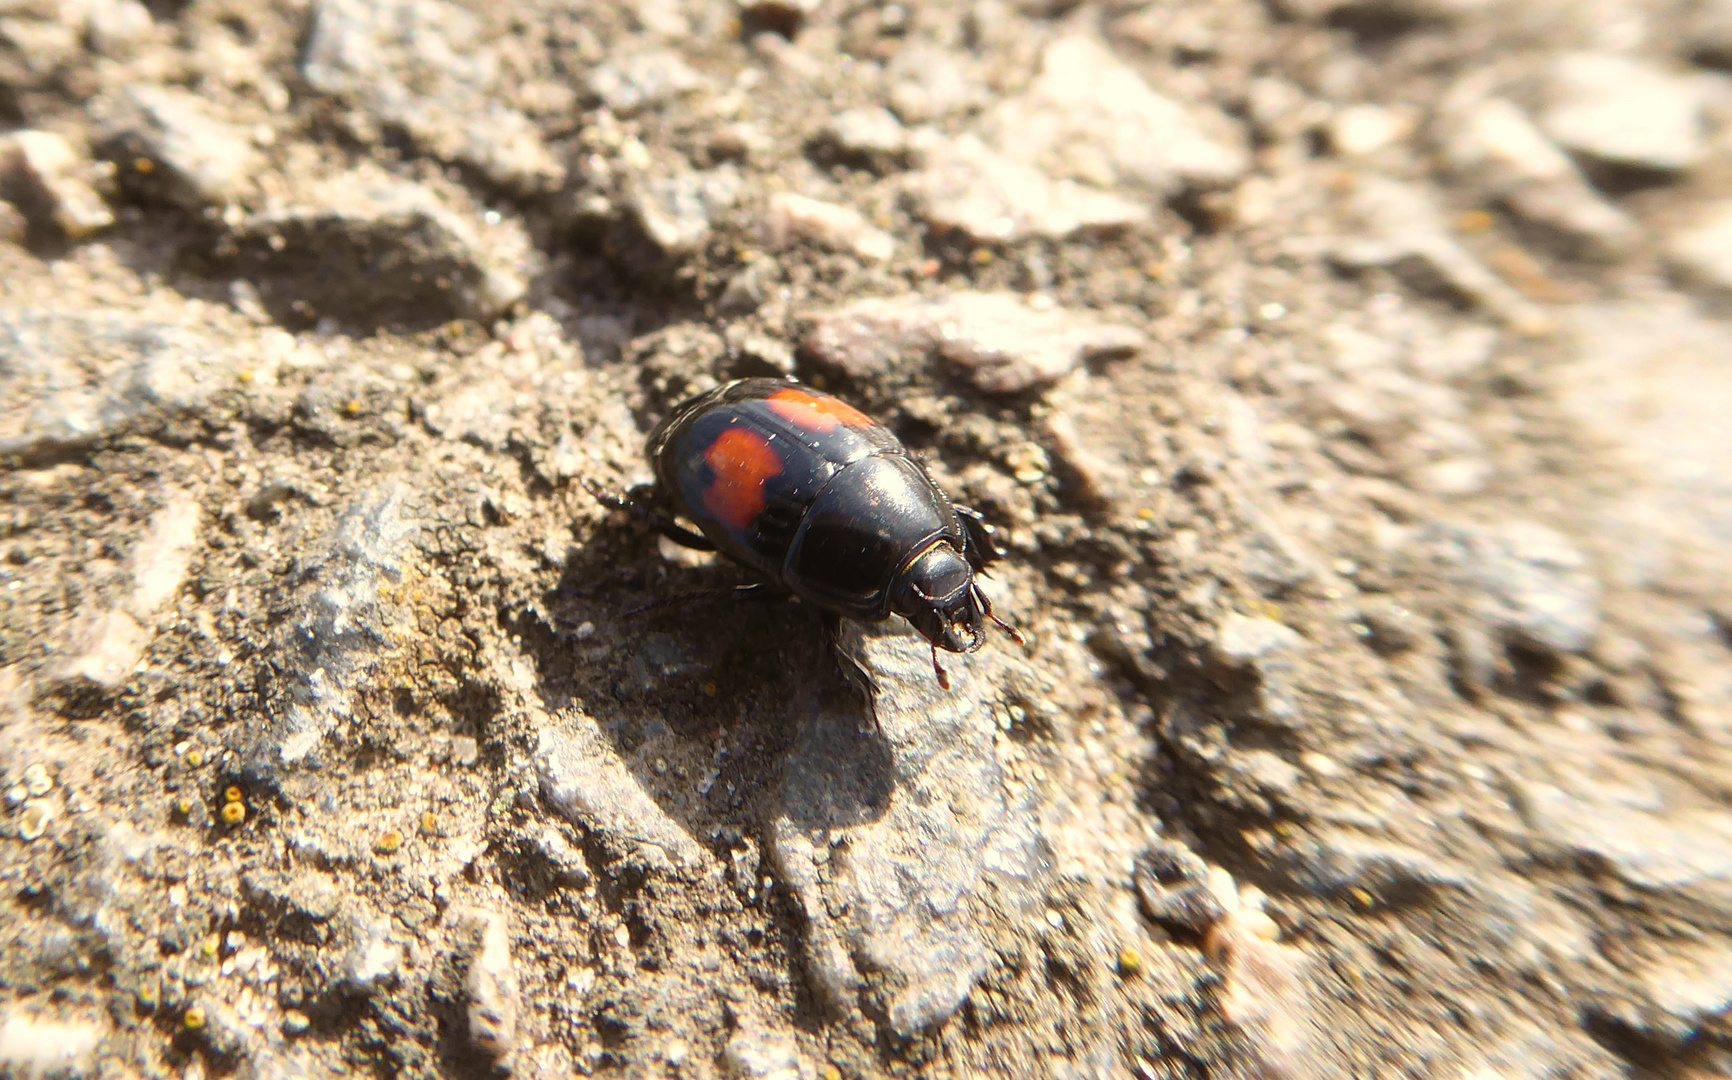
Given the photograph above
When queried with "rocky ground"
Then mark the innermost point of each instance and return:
(1350, 379)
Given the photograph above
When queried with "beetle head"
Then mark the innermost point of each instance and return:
(938, 595)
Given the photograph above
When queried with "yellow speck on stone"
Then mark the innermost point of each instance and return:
(1130, 962)
(712, 689)
(1475, 221)
(389, 841)
(830, 1072)
(233, 813)
(429, 823)
(194, 1020)
(231, 794)
(982, 257)
(351, 407)
(143, 166)
(195, 757)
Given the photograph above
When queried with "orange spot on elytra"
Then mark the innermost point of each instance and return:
(742, 461)
(815, 412)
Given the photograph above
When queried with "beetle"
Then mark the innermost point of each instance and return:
(819, 500)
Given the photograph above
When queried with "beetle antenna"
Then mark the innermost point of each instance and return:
(938, 670)
(986, 609)
(1015, 634)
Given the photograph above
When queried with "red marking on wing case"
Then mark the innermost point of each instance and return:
(815, 412)
(742, 461)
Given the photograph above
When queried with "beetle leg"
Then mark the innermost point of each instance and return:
(638, 503)
(938, 670)
(983, 545)
(853, 672)
(759, 591)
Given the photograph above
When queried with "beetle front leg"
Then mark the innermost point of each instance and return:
(983, 547)
(640, 503)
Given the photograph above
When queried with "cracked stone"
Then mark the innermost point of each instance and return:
(348, 602)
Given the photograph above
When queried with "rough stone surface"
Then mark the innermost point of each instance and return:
(677, 213)
(405, 251)
(991, 197)
(51, 181)
(76, 377)
(633, 83)
(873, 135)
(1090, 117)
(1397, 226)
(792, 217)
(1534, 584)
(1701, 252)
(1003, 344)
(1623, 112)
(193, 158)
(418, 65)
(1493, 145)
(1710, 32)
(890, 836)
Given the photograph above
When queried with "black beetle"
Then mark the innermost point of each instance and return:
(819, 499)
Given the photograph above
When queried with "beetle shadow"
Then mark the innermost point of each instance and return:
(840, 771)
(724, 713)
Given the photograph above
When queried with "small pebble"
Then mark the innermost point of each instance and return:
(464, 750)
(33, 822)
(37, 781)
(16, 794)
(295, 1022)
